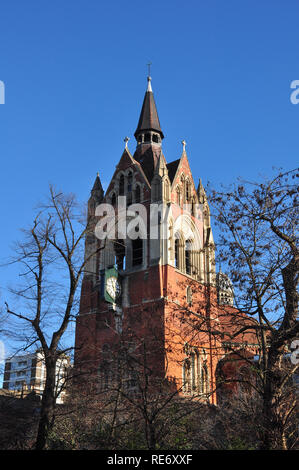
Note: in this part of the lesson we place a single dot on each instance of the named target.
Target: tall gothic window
(122, 185)
(129, 182)
(120, 254)
(204, 379)
(195, 374)
(177, 253)
(187, 376)
(178, 196)
(137, 194)
(137, 252)
(188, 254)
(188, 190)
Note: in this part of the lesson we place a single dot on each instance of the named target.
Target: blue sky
(75, 76)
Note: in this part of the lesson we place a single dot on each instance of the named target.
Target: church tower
(150, 276)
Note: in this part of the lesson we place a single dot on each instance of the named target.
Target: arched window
(156, 191)
(113, 199)
(178, 196)
(193, 372)
(137, 193)
(129, 182)
(188, 253)
(204, 378)
(137, 252)
(122, 185)
(177, 253)
(120, 254)
(183, 189)
(187, 376)
(188, 190)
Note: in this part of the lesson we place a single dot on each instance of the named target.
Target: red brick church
(153, 309)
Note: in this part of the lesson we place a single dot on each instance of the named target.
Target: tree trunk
(273, 422)
(152, 437)
(47, 408)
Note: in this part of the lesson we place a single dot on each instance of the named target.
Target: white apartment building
(28, 373)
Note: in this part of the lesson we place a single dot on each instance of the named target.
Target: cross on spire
(184, 145)
(149, 68)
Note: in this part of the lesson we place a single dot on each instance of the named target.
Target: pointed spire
(97, 184)
(148, 120)
(161, 168)
(97, 191)
(202, 197)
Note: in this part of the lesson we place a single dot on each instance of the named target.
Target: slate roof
(172, 169)
(149, 120)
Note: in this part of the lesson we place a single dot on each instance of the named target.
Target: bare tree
(51, 263)
(258, 243)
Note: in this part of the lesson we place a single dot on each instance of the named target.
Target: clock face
(113, 287)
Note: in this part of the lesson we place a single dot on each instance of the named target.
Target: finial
(98, 174)
(126, 140)
(149, 78)
(184, 145)
(149, 85)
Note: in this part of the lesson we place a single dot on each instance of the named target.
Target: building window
(137, 194)
(156, 191)
(193, 373)
(188, 190)
(120, 254)
(183, 187)
(178, 196)
(129, 182)
(122, 185)
(187, 376)
(22, 363)
(177, 253)
(113, 199)
(129, 199)
(137, 252)
(188, 254)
